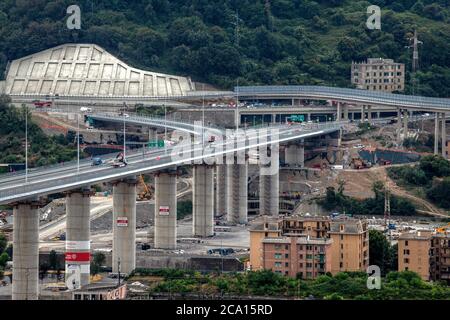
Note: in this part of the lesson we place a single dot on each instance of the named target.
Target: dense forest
(250, 41)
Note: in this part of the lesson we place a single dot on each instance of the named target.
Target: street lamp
(26, 144)
(78, 142)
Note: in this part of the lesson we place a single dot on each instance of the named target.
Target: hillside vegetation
(278, 41)
(43, 150)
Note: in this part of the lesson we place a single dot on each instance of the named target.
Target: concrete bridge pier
(369, 114)
(78, 246)
(124, 225)
(346, 112)
(221, 189)
(237, 192)
(399, 124)
(443, 136)
(338, 111)
(295, 155)
(25, 285)
(405, 123)
(165, 235)
(269, 194)
(436, 133)
(203, 201)
(152, 134)
(363, 113)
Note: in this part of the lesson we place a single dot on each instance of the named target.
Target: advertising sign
(164, 210)
(117, 294)
(122, 221)
(78, 256)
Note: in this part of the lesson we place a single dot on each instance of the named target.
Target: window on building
(309, 274)
(277, 264)
(278, 246)
(286, 247)
(77, 297)
(341, 265)
(286, 256)
(406, 260)
(406, 243)
(309, 256)
(278, 255)
(286, 264)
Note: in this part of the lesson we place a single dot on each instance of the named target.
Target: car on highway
(97, 161)
(42, 104)
(86, 109)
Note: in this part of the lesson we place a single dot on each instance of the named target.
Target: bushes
(427, 175)
(344, 285)
(439, 193)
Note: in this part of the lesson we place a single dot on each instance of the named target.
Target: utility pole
(26, 145)
(387, 208)
(118, 272)
(415, 60)
(78, 142)
(124, 137)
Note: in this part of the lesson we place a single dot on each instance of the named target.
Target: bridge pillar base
(78, 236)
(237, 193)
(124, 226)
(165, 236)
(203, 201)
(269, 190)
(295, 155)
(25, 284)
(221, 189)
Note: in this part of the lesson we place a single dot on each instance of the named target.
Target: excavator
(443, 229)
(147, 193)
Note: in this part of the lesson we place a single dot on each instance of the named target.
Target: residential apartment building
(350, 250)
(426, 253)
(305, 245)
(440, 257)
(378, 74)
(414, 253)
(291, 256)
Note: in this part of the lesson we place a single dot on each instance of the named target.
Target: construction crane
(147, 193)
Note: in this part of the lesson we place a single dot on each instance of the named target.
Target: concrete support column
(237, 195)
(363, 113)
(443, 136)
(436, 133)
(369, 114)
(78, 245)
(269, 190)
(308, 117)
(399, 124)
(221, 189)
(26, 252)
(152, 134)
(124, 226)
(203, 201)
(346, 112)
(165, 210)
(405, 123)
(339, 111)
(295, 155)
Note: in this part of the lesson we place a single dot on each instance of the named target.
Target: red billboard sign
(78, 256)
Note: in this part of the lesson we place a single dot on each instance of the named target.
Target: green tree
(97, 262)
(3, 242)
(53, 260)
(381, 253)
(4, 257)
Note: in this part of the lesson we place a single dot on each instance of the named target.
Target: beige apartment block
(350, 249)
(377, 74)
(414, 253)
